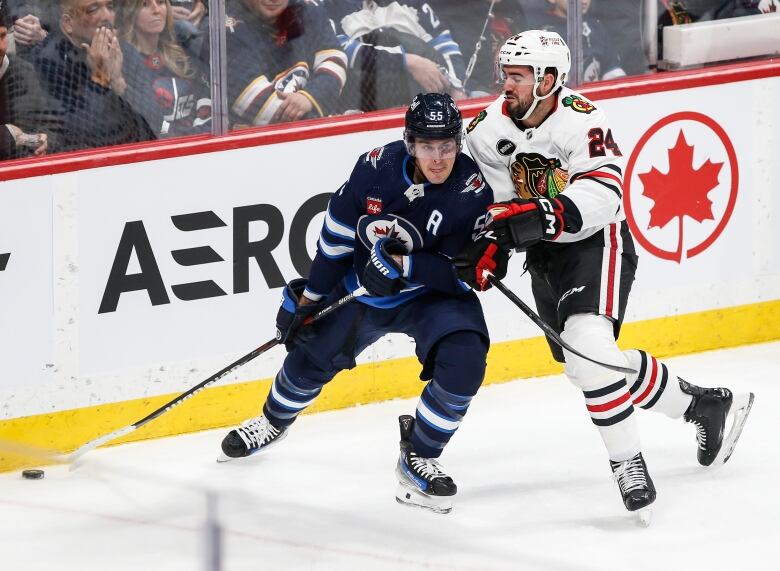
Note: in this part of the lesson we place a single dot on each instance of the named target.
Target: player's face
(268, 9)
(518, 88)
(435, 158)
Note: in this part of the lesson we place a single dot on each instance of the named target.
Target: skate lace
(701, 434)
(426, 467)
(630, 475)
(258, 431)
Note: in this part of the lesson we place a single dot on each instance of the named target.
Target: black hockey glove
(291, 316)
(521, 223)
(383, 276)
(484, 254)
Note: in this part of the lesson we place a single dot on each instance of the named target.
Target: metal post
(218, 71)
(650, 31)
(574, 39)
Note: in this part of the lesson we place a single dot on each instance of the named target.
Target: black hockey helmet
(433, 116)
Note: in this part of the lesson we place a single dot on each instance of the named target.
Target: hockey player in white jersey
(552, 159)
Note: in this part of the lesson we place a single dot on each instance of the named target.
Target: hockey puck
(32, 474)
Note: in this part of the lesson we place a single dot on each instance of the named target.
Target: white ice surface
(534, 493)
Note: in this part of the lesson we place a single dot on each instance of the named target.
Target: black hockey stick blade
(92, 444)
(549, 331)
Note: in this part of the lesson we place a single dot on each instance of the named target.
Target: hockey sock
(654, 387)
(287, 398)
(611, 411)
(438, 415)
(458, 372)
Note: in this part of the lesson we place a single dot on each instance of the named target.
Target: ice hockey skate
(422, 482)
(249, 438)
(636, 486)
(709, 412)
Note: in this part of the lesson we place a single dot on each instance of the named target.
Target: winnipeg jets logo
(374, 156)
(372, 228)
(474, 184)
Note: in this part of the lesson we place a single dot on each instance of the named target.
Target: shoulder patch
(475, 183)
(578, 104)
(476, 120)
(505, 147)
(374, 156)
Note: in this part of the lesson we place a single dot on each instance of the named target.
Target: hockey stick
(83, 449)
(549, 331)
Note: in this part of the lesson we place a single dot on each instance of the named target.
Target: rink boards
(126, 284)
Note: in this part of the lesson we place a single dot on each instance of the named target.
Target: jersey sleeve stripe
(599, 174)
(444, 44)
(611, 187)
(334, 251)
(257, 89)
(314, 102)
(268, 110)
(335, 70)
(338, 228)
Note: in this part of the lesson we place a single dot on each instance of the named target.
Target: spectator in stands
(480, 28)
(23, 119)
(32, 20)
(190, 25)
(162, 84)
(283, 62)
(80, 68)
(395, 49)
(600, 59)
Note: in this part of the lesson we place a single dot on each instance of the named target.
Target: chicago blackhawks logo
(578, 104)
(681, 186)
(535, 176)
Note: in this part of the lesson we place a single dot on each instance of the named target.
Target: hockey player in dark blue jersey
(394, 227)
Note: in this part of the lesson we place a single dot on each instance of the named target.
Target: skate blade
(740, 409)
(409, 496)
(644, 516)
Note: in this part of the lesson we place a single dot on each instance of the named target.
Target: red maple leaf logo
(388, 232)
(683, 190)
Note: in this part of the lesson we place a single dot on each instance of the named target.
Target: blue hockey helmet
(433, 116)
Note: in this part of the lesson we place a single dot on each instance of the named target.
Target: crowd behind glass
(79, 74)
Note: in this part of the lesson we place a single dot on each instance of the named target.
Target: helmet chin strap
(537, 99)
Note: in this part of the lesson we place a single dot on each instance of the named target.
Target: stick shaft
(549, 331)
(209, 381)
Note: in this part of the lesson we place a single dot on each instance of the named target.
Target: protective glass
(444, 149)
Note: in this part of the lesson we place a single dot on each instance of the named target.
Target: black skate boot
(708, 412)
(635, 484)
(250, 437)
(421, 481)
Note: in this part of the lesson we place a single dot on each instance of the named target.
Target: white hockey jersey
(571, 152)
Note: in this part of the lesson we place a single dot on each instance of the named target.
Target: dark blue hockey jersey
(380, 199)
